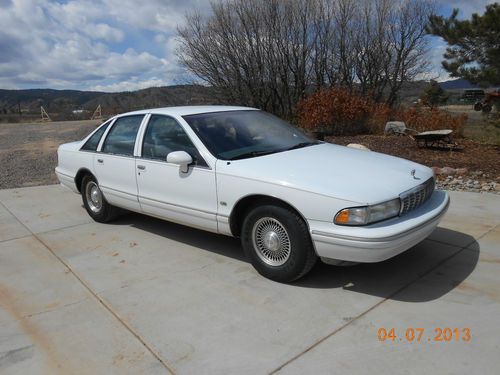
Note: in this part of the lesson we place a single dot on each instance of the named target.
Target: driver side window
(164, 135)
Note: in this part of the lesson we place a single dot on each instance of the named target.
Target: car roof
(189, 110)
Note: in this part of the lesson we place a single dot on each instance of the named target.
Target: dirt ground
(475, 156)
(28, 152)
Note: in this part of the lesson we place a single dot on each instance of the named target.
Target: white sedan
(242, 172)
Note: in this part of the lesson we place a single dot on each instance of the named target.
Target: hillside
(24, 105)
(71, 104)
(28, 102)
(458, 84)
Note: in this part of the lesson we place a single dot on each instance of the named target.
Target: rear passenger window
(121, 137)
(93, 141)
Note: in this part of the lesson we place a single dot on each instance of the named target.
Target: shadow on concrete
(385, 279)
(388, 279)
(215, 243)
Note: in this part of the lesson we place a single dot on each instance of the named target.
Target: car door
(164, 190)
(115, 163)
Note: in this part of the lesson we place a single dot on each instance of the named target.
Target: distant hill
(34, 98)
(73, 104)
(76, 105)
(458, 84)
(411, 92)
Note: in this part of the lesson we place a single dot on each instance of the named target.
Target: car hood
(360, 176)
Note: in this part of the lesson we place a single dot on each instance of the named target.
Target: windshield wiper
(253, 154)
(300, 145)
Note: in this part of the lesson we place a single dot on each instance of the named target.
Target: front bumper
(380, 241)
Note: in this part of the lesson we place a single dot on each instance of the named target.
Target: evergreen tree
(434, 95)
(473, 49)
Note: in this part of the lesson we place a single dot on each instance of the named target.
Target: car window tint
(93, 141)
(165, 135)
(228, 134)
(121, 137)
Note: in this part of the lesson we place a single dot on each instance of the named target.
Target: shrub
(334, 111)
(339, 111)
(380, 114)
(422, 119)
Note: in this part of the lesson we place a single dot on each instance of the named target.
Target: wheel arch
(243, 205)
(82, 172)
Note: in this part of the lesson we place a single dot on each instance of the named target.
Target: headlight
(368, 214)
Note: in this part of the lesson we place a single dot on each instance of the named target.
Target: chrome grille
(415, 197)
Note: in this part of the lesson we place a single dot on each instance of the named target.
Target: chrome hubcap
(271, 241)
(94, 197)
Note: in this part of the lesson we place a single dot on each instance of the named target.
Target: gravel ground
(475, 181)
(28, 152)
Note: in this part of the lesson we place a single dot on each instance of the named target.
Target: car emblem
(413, 171)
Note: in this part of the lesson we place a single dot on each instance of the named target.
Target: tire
(277, 242)
(95, 203)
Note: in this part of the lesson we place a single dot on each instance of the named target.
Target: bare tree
(260, 52)
(407, 35)
(268, 53)
(371, 46)
(391, 46)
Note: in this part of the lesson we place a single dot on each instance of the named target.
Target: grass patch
(486, 131)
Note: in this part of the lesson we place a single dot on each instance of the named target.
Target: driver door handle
(100, 161)
(141, 167)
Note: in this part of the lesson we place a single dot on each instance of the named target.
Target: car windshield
(232, 135)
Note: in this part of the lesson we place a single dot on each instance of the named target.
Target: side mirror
(182, 158)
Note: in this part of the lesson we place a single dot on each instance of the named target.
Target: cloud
(465, 7)
(131, 85)
(83, 17)
(435, 56)
(155, 15)
(82, 44)
(110, 44)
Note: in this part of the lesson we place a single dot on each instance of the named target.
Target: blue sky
(115, 45)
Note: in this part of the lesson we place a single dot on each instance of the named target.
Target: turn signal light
(342, 217)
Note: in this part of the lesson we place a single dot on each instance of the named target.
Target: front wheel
(95, 203)
(277, 242)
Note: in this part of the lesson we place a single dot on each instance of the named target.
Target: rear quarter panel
(70, 161)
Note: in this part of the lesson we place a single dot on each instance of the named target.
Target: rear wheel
(95, 203)
(277, 242)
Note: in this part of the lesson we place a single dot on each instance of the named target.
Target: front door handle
(141, 167)
(100, 161)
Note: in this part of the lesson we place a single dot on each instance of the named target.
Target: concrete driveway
(143, 296)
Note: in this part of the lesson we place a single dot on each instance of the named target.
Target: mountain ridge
(74, 104)
(19, 105)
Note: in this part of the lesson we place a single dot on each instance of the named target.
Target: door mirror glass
(182, 158)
